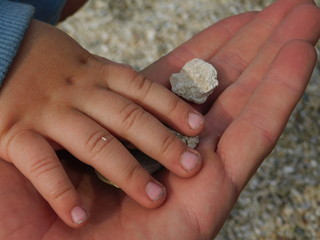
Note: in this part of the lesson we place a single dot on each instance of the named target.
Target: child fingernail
(189, 160)
(195, 120)
(79, 215)
(155, 191)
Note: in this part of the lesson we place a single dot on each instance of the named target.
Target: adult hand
(263, 72)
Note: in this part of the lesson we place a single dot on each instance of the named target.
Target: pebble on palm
(195, 82)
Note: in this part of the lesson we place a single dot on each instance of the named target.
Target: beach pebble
(195, 82)
(192, 142)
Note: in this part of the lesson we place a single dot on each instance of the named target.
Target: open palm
(264, 62)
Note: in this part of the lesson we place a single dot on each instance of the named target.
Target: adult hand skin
(264, 61)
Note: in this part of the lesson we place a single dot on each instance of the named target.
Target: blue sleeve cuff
(14, 21)
(46, 10)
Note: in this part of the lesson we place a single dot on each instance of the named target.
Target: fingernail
(195, 120)
(79, 215)
(189, 160)
(155, 191)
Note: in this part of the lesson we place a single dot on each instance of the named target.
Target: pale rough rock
(195, 82)
(192, 142)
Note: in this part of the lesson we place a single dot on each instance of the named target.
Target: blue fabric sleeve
(15, 16)
(14, 20)
(46, 10)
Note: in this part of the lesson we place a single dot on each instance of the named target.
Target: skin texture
(260, 85)
(86, 107)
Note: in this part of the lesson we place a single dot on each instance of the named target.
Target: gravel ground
(282, 201)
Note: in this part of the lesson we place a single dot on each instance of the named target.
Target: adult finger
(95, 146)
(35, 158)
(219, 35)
(233, 99)
(203, 45)
(262, 120)
(235, 56)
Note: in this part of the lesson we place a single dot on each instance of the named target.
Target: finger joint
(43, 166)
(167, 143)
(98, 142)
(131, 114)
(133, 173)
(141, 87)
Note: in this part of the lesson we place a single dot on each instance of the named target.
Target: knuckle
(57, 189)
(233, 61)
(277, 79)
(168, 144)
(60, 192)
(12, 139)
(141, 87)
(43, 166)
(98, 142)
(265, 23)
(133, 172)
(174, 105)
(131, 115)
(257, 120)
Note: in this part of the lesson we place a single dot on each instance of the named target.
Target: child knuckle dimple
(70, 81)
(85, 58)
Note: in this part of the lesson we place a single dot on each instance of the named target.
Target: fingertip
(195, 120)
(79, 216)
(40, 164)
(71, 211)
(191, 162)
(155, 190)
(150, 195)
(156, 194)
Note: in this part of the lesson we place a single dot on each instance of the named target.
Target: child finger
(153, 97)
(95, 146)
(35, 158)
(129, 121)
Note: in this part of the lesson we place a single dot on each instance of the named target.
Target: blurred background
(282, 200)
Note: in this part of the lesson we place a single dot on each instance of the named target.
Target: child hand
(57, 92)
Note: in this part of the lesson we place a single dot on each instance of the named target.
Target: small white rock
(195, 82)
(192, 142)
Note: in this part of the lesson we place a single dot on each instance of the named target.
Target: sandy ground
(282, 201)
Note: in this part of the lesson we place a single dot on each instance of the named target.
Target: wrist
(14, 19)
